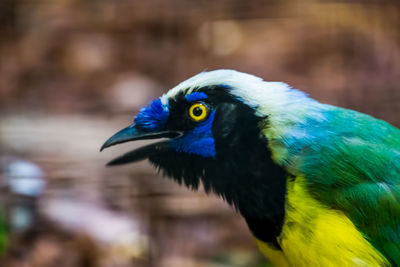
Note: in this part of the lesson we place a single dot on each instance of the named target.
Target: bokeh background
(74, 72)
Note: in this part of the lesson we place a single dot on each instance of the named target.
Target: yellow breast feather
(315, 235)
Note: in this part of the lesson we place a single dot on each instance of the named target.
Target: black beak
(132, 133)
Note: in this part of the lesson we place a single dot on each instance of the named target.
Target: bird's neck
(242, 171)
(251, 182)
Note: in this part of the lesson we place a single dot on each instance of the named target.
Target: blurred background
(74, 72)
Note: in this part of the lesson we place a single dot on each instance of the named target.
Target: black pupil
(197, 111)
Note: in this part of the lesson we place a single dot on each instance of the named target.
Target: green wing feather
(351, 162)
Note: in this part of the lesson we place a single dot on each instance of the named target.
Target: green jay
(317, 185)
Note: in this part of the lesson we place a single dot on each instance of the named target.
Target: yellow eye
(198, 112)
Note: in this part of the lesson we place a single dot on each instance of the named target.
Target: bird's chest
(314, 235)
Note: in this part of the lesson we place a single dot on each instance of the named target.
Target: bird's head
(216, 128)
(214, 125)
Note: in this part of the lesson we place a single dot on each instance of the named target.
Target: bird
(317, 184)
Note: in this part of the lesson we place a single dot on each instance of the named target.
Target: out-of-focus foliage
(73, 72)
(3, 233)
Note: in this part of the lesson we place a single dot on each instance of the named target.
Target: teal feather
(351, 162)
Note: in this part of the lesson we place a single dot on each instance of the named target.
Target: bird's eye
(198, 112)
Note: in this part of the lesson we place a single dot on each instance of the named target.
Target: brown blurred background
(73, 72)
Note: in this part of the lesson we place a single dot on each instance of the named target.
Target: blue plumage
(198, 141)
(196, 96)
(152, 117)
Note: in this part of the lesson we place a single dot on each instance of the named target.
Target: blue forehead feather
(195, 96)
(152, 117)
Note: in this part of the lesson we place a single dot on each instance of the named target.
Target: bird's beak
(132, 133)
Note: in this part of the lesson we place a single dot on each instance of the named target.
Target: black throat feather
(242, 172)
